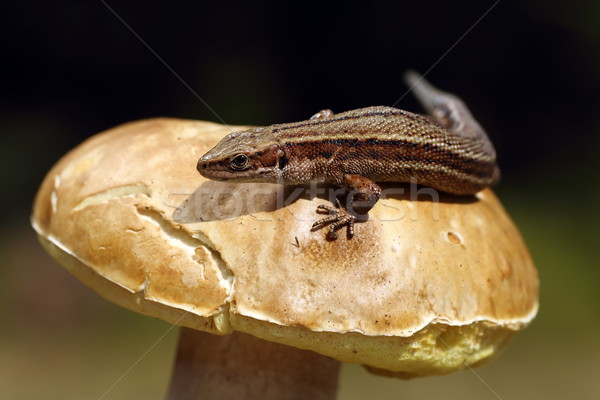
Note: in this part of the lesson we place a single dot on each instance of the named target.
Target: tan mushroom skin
(428, 287)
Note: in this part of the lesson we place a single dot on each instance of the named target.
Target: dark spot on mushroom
(453, 238)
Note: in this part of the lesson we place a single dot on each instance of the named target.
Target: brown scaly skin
(357, 148)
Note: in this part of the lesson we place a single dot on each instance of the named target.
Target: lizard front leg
(362, 196)
(323, 114)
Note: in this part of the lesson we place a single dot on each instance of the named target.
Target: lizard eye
(239, 162)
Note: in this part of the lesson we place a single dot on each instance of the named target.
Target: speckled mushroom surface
(425, 286)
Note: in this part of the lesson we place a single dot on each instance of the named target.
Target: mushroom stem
(240, 366)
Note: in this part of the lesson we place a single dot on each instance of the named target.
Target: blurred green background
(528, 70)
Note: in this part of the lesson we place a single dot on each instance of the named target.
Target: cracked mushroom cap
(424, 287)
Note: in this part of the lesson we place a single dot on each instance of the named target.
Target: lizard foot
(338, 216)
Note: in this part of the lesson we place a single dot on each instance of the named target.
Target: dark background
(528, 70)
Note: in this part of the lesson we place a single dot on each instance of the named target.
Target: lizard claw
(338, 217)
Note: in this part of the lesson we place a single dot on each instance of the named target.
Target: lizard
(447, 150)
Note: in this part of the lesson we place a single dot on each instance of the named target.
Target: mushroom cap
(425, 287)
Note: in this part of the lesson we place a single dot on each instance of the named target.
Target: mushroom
(268, 307)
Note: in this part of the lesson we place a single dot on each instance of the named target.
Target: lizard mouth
(223, 173)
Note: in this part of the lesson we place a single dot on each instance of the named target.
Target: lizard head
(248, 156)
